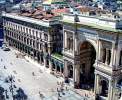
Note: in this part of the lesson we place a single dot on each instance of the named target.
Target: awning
(57, 63)
(61, 65)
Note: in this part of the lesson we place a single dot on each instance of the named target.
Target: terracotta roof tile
(65, 10)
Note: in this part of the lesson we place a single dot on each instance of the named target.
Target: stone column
(65, 68)
(96, 84)
(65, 40)
(60, 70)
(117, 59)
(73, 43)
(113, 53)
(110, 90)
(76, 74)
(44, 51)
(76, 43)
(107, 56)
(50, 63)
(55, 68)
(99, 51)
(38, 46)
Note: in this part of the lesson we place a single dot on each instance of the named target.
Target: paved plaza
(34, 79)
(68, 95)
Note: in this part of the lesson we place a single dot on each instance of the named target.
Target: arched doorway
(87, 59)
(104, 88)
(70, 71)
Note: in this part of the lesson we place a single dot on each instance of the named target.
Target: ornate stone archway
(87, 57)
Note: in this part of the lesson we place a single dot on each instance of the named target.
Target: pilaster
(113, 53)
(110, 89)
(107, 56)
(65, 68)
(96, 84)
(49, 52)
(44, 50)
(76, 74)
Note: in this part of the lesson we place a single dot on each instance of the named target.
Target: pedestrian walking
(33, 73)
(59, 94)
(59, 98)
(40, 94)
(4, 67)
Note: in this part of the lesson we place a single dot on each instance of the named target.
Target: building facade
(40, 40)
(92, 51)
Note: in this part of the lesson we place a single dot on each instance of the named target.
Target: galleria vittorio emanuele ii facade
(85, 48)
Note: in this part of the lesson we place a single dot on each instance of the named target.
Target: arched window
(27, 41)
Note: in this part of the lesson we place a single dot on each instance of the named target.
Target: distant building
(107, 4)
(119, 4)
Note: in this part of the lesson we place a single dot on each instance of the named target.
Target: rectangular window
(32, 33)
(23, 29)
(18, 27)
(27, 30)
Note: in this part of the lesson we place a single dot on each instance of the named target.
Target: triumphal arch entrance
(92, 57)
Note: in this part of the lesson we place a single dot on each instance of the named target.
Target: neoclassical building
(37, 35)
(92, 49)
